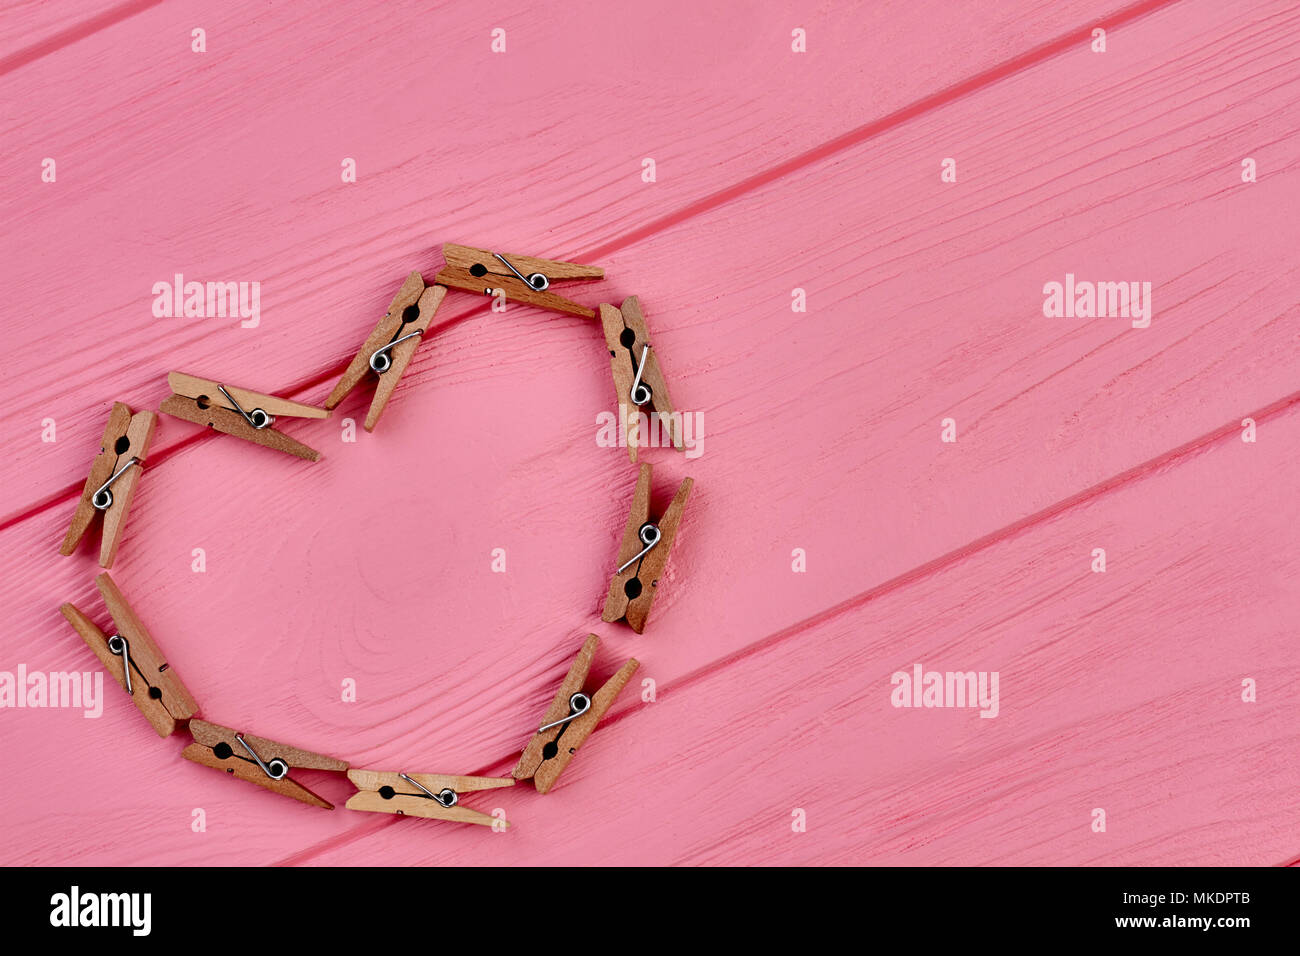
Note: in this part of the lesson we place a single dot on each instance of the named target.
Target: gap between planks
(1137, 473)
(721, 197)
(71, 35)
(861, 134)
(715, 200)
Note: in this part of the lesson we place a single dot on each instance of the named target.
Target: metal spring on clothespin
(641, 393)
(579, 704)
(649, 535)
(120, 646)
(277, 769)
(381, 361)
(103, 498)
(257, 418)
(534, 280)
(446, 796)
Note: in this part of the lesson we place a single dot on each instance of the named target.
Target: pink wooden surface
(776, 170)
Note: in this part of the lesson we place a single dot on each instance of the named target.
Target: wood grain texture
(235, 398)
(32, 29)
(199, 411)
(484, 272)
(114, 474)
(159, 717)
(403, 350)
(408, 296)
(634, 365)
(266, 175)
(642, 560)
(156, 689)
(385, 792)
(558, 737)
(1121, 690)
(1098, 708)
(222, 748)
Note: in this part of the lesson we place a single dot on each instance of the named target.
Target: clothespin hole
(550, 750)
(387, 792)
(626, 338)
(222, 751)
(155, 693)
(477, 270)
(632, 588)
(203, 402)
(410, 314)
(122, 445)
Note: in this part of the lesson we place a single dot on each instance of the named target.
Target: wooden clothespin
(570, 719)
(432, 795)
(237, 411)
(643, 555)
(638, 382)
(521, 278)
(135, 661)
(258, 760)
(112, 480)
(389, 348)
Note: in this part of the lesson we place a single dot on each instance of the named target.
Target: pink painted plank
(143, 192)
(562, 497)
(1119, 691)
(32, 29)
